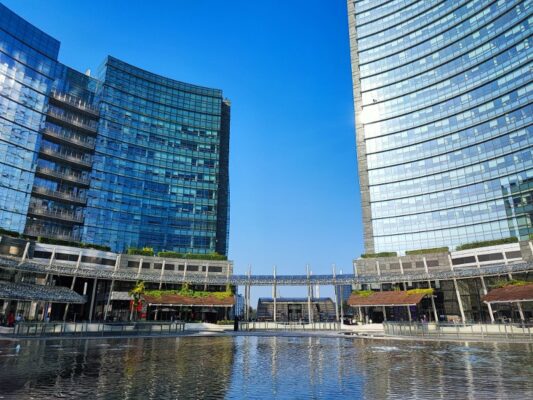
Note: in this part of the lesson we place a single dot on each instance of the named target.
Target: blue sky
(285, 66)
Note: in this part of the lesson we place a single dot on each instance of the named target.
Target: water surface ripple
(259, 367)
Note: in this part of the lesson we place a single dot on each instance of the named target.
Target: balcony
(74, 102)
(51, 232)
(63, 136)
(77, 123)
(59, 195)
(62, 176)
(59, 215)
(69, 158)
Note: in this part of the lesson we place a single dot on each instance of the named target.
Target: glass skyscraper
(443, 102)
(125, 159)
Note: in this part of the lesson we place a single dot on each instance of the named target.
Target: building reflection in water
(128, 368)
(263, 367)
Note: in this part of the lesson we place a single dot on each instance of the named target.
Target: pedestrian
(11, 319)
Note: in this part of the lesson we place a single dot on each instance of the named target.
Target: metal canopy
(31, 292)
(510, 294)
(386, 299)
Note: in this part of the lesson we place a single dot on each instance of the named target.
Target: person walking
(11, 320)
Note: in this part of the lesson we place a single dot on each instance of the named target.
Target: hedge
(427, 251)
(428, 291)
(60, 242)
(362, 293)
(9, 233)
(146, 251)
(382, 254)
(486, 243)
(189, 256)
(186, 292)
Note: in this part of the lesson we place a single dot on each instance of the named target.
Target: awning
(177, 300)
(31, 292)
(510, 294)
(386, 299)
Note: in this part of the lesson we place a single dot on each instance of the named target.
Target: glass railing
(77, 122)
(56, 214)
(63, 175)
(60, 194)
(51, 232)
(87, 160)
(87, 142)
(74, 102)
(99, 328)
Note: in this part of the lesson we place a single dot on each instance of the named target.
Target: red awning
(391, 298)
(177, 300)
(510, 294)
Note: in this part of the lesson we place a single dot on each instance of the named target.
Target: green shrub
(145, 251)
(382, 254)
(225, 322)
(189, 256)
(427, 251)
(512, 282)
(186, 292)
(362, 293)
(427, 291)
(486, 243)
(60, 242)
(531, 236)
(9, 233)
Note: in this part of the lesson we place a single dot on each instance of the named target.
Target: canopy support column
(336, 292)
(93, 299)
(521, 311)
(433, 306)
(461, 309)
(489, 306)
(309, 297)
(72, 285)
(274, 296)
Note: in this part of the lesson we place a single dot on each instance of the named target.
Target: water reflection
(264, 368)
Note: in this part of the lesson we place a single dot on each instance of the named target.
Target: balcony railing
(74, 102)
(63, 135)
(60, 195)
(63, 176)
(78, 161)
(76, 122)
(51, 232)
(55, 214)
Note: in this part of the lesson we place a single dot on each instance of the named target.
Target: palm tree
(136, 294)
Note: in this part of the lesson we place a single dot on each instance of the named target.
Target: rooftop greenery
(149, 251)
(512, 282)
(60, 242)
(382, 254)
(145, 251)
(362, 293)
(428, 291)
(475, 245)
(186, 292)
(189, 256)
(9, 233)
(427, 251)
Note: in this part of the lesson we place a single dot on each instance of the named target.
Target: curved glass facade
(128, 159)
(157, 167)
(443, 98)
(27, 71)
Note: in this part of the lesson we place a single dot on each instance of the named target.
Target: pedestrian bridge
(86, 271)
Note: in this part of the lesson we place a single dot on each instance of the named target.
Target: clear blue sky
(285, 66)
